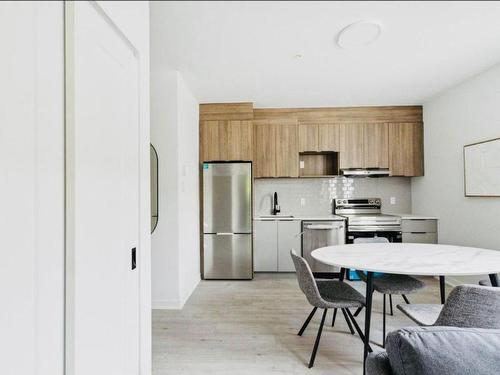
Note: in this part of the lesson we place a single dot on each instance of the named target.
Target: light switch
(393, 200)
(301, 164)
(302, 201)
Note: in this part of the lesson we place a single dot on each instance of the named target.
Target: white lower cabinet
(288, 238)
(273, 240)
(265, 243)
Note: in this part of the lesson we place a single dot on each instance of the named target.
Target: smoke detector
(359, 34)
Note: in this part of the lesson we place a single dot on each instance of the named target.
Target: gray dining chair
(325, 294)
(467, 306)
(389, 284)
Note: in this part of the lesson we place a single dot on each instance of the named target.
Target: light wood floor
(250, 327)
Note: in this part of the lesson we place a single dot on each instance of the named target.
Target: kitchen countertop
(416, 217)
(301, 217)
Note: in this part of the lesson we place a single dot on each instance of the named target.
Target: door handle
(134, 258)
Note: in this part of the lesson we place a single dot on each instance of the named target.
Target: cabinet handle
(418, 232)
(134, 258)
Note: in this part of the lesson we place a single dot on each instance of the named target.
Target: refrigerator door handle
(224, 234)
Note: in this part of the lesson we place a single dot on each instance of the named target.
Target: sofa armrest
(377, 363)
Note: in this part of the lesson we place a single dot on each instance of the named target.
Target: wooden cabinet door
(376, 143)
(264, 140)
(240, 144)
(406, 149)
(308, 137)
(329, 137)
(214, 140)
(287, 149)
(351, 146)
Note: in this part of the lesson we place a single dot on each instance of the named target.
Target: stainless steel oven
(365, 219)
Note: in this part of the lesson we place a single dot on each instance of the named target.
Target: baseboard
(175, 304)
(190, 290)
(172, 304)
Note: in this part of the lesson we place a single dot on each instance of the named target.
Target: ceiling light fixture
(359, 34)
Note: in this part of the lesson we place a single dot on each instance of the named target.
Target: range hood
(366, 172)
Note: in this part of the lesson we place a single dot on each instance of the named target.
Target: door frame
(143, 266)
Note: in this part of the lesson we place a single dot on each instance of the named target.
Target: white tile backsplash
(317, 194)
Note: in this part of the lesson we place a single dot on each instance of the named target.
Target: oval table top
(411, 258)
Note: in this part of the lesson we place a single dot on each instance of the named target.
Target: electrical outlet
(302, 201)
(393, 200)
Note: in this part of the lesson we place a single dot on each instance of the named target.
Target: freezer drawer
(227, 256)
(227, 197)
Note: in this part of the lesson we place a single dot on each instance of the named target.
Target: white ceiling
(245, 51)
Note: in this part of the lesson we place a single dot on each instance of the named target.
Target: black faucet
(276, 206)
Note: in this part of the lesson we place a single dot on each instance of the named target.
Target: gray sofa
(438, 351)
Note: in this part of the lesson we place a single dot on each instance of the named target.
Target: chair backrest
(371, 240)
(306, 280)
(471, 306)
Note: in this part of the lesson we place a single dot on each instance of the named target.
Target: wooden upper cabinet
(329, 137)
(226, 140)
(287, 149)
(214, 140)
(376, 145)
(351, 146)
(264, 140)
(406, 149)
(240, 144)
(308, 137)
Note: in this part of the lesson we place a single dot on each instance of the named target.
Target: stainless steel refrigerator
(227, 220)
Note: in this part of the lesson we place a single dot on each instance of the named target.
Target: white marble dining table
(409, 259)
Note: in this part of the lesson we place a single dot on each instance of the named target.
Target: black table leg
(494, 279)
(442, 289)
(368, 314)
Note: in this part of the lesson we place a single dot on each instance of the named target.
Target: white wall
(464, 114)
(175, 242)
(32, 188)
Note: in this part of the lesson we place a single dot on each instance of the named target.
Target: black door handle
(134, 258)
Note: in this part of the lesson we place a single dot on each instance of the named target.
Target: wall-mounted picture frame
(482, 169)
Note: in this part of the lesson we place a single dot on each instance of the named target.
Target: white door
(102, 195)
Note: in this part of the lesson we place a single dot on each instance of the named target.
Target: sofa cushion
(378, 363)
(444, 351)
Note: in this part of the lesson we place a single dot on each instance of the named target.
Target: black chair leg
(383, 323)
(306, 323)
(348, 321)
(360, 333)
(406, 299)
(390, 303)
(356, 313)
(334, 316)
(318, 337)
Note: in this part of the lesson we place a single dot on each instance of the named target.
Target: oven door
(392, 236)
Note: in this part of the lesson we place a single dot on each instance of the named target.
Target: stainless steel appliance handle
(367, 228)
(322, 227)
(224, 234)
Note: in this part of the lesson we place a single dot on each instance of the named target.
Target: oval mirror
(154, 187)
